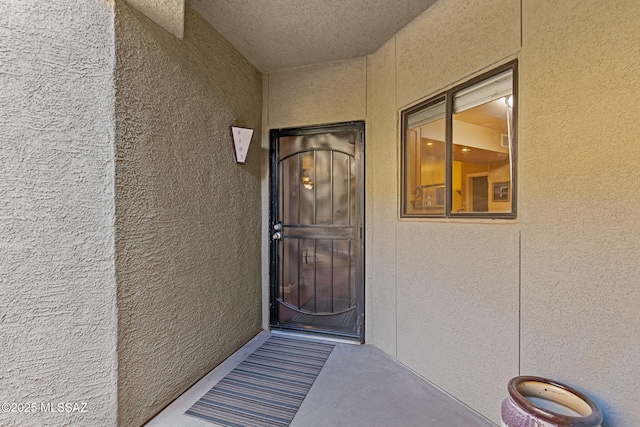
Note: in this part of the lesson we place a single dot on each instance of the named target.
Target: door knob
(277, 235)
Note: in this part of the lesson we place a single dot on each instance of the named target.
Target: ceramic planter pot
(540, 402)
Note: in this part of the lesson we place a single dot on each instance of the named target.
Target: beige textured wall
(187, 216)
(412, 262)
(452, 40)
(57, 276)
(471, 303)
(445, 293)
(327, 93)
(456, 302)
(580, 205)
(381, 199)
(169, 14)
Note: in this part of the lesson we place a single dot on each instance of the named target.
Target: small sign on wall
(241, 141)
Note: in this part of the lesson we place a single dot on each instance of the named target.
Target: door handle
(278, 234)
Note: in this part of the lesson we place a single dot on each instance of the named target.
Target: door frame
(470, 188)
(274, 135)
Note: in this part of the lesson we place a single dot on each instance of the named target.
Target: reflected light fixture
(307, 169)
(465, 149)
(307, 183)
(508, 101)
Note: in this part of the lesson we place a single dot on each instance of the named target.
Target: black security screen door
(317, 229)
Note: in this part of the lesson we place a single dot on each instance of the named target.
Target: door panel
(480, 188)
(317, 227)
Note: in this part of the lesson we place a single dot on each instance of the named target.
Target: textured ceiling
(277, 34)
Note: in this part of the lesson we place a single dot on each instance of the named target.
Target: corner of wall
(381, 152)
(169, 14)
(57, 270)
(265, 188)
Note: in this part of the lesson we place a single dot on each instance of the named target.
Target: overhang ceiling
(278, 34)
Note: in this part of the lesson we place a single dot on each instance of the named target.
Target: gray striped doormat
(267, 388)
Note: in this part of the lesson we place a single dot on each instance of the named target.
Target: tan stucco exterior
(187, 216)
(132, 241)
(331, 92)
(469, 304)
(579, 206)
(168, 14)
(130, 262)
(57, 274)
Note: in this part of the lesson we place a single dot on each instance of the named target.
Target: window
(459, 150)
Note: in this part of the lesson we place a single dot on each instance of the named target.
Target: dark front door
(317, 229)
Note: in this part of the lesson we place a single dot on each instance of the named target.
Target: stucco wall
(579, 204)
(188, 217)
(381, 199)
(169, 14)
(456, 287)
(327, 93)
(416, 285)
(469, 304)
(445, 291)
(57, 277)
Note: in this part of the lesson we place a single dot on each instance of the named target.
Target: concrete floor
(359, 386)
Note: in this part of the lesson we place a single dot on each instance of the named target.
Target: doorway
(317, 229)
(479, 184)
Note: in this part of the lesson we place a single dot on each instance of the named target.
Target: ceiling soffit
(280, 34)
